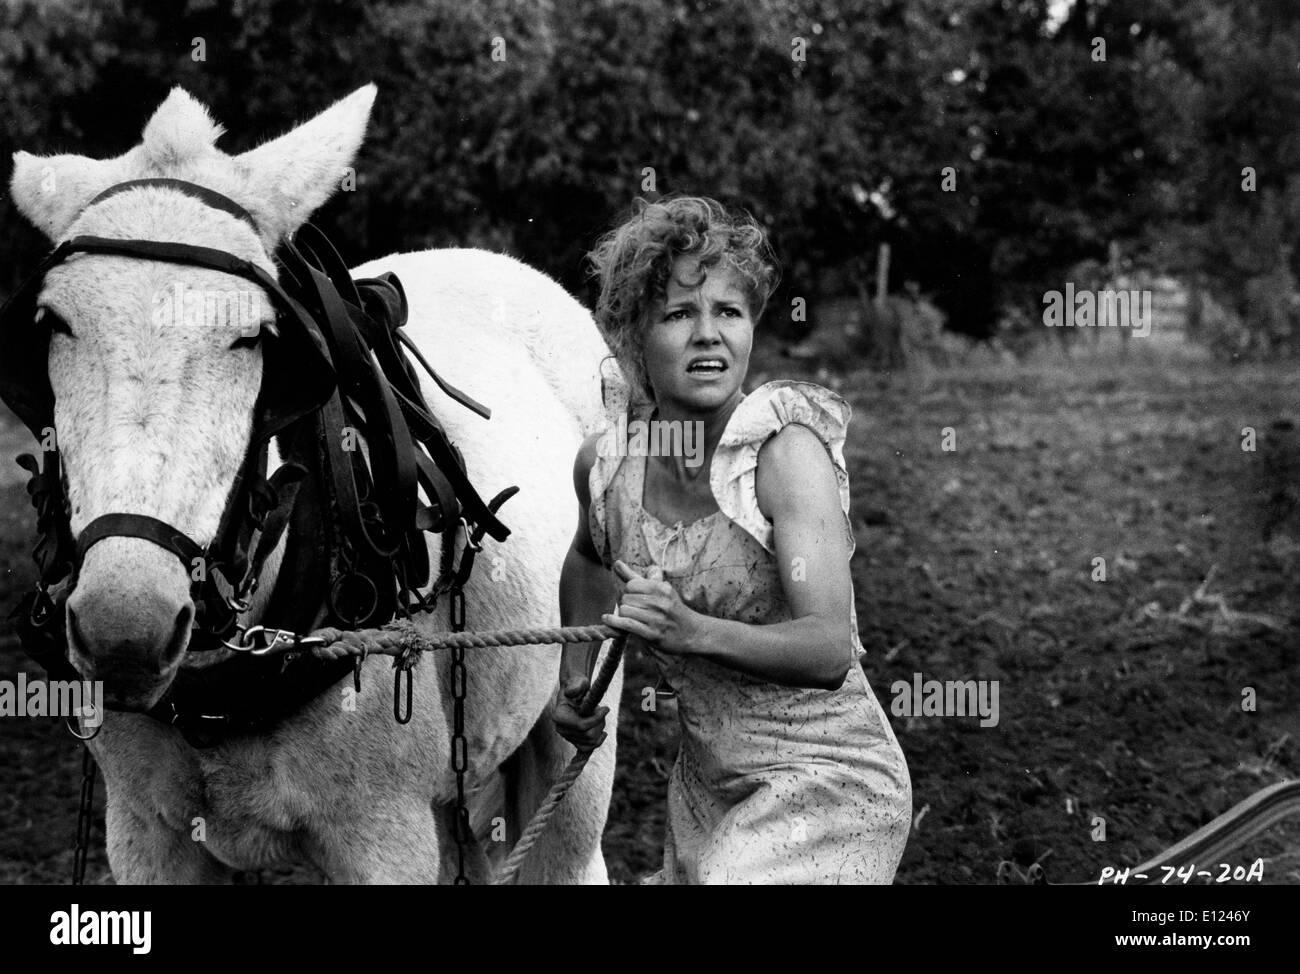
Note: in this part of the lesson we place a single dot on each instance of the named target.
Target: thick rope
(561, 787)
(402, 637)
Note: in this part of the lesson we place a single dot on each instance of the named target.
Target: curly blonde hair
(635, 260)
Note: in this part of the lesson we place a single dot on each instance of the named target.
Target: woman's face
(698, 342)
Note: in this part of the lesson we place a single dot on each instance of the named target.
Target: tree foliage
(530, 126)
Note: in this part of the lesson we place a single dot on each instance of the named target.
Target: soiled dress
(772, 784)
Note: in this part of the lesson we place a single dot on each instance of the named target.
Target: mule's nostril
(180, 634)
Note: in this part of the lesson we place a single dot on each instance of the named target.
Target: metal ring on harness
(366, 589)
(241, 643)
(72, 722)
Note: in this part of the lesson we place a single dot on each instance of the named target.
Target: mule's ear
(288, 178)
(180, 132)
(51, 190)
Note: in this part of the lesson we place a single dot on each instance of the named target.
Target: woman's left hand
(652, 610)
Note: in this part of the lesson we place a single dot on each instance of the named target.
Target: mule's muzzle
(132, 642)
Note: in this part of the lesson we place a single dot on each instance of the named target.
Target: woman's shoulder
(776, 404)
(599, 475)
(588, 453)
(760, 416)
(594, 469)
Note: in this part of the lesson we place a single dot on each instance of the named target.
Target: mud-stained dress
(772, 784)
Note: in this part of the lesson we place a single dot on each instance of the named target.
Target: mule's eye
(251, 341)
(52, 321)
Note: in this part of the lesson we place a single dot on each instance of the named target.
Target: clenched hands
(651, 610)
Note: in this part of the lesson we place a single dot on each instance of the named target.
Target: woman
(734, 561)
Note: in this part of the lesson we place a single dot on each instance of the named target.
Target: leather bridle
(218, 596)
(342, 341)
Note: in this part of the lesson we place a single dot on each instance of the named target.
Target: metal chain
(459, 743)
(85, 816)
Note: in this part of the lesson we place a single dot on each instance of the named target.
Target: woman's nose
(706, 329)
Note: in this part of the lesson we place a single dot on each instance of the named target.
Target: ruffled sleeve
(608, 460)
(615, 397)
(760, 415)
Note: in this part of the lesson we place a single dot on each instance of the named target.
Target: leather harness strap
(394, 471)
(201, 193)
(140, 526)
(284, 484)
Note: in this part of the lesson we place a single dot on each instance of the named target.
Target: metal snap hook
(259, 640)
(281, 640)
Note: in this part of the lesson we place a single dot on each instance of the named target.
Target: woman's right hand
(584, 733)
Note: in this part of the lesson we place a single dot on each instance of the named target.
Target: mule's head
(156, 367)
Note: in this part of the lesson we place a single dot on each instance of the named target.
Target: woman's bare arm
(586, 590)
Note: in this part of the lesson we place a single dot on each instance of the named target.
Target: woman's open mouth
(707, 367)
